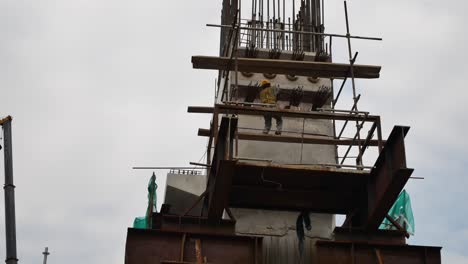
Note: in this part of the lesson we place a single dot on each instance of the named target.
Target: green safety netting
(402, 213)
(145, 221)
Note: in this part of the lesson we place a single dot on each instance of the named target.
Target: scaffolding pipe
(352, 142)
(346, 122)
(351, 64)
(9, 187)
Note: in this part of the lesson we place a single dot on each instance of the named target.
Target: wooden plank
(299, 68)
(257, 110)
(294, 139)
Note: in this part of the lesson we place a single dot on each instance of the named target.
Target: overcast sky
(96, 87)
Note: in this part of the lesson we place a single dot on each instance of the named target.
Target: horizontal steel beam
(294, 139)
(318, 201)
(255, 110)
(291, 67)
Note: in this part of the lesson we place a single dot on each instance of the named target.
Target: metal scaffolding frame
(258, 32)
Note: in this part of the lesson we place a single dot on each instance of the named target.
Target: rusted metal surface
(388, 177)
(344, 252)
(295, 187)
(219, 181)
(365, 197)
(397, 225)
(156, 246)
(278, 186)
(393, 237)
(299, 68)
(221, 189)
(192, 224)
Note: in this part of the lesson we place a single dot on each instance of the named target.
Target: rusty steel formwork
(190, 239)
(346, 252)
(146, 246)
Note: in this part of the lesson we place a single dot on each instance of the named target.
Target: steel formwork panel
(156, 246)
(345, 252)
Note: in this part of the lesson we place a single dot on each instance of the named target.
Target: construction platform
(364, 196)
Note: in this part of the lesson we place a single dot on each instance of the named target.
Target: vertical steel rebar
(323, 12)
(293, 38)
(274, 12)
(239, 20)
(268, 25)
(9, 187)
(252, 11)
(268, 11)
(279, 12)
(236, 64)
(262, 25)
(293, 12)
(284, 13)
(302, 138)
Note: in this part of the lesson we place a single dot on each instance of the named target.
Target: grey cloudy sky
(96, 87)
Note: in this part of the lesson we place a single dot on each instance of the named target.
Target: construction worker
(268, 96)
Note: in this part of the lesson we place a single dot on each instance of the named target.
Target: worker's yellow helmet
(265, 83)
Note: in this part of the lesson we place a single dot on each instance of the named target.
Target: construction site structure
(9, 188)
(272, 196)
